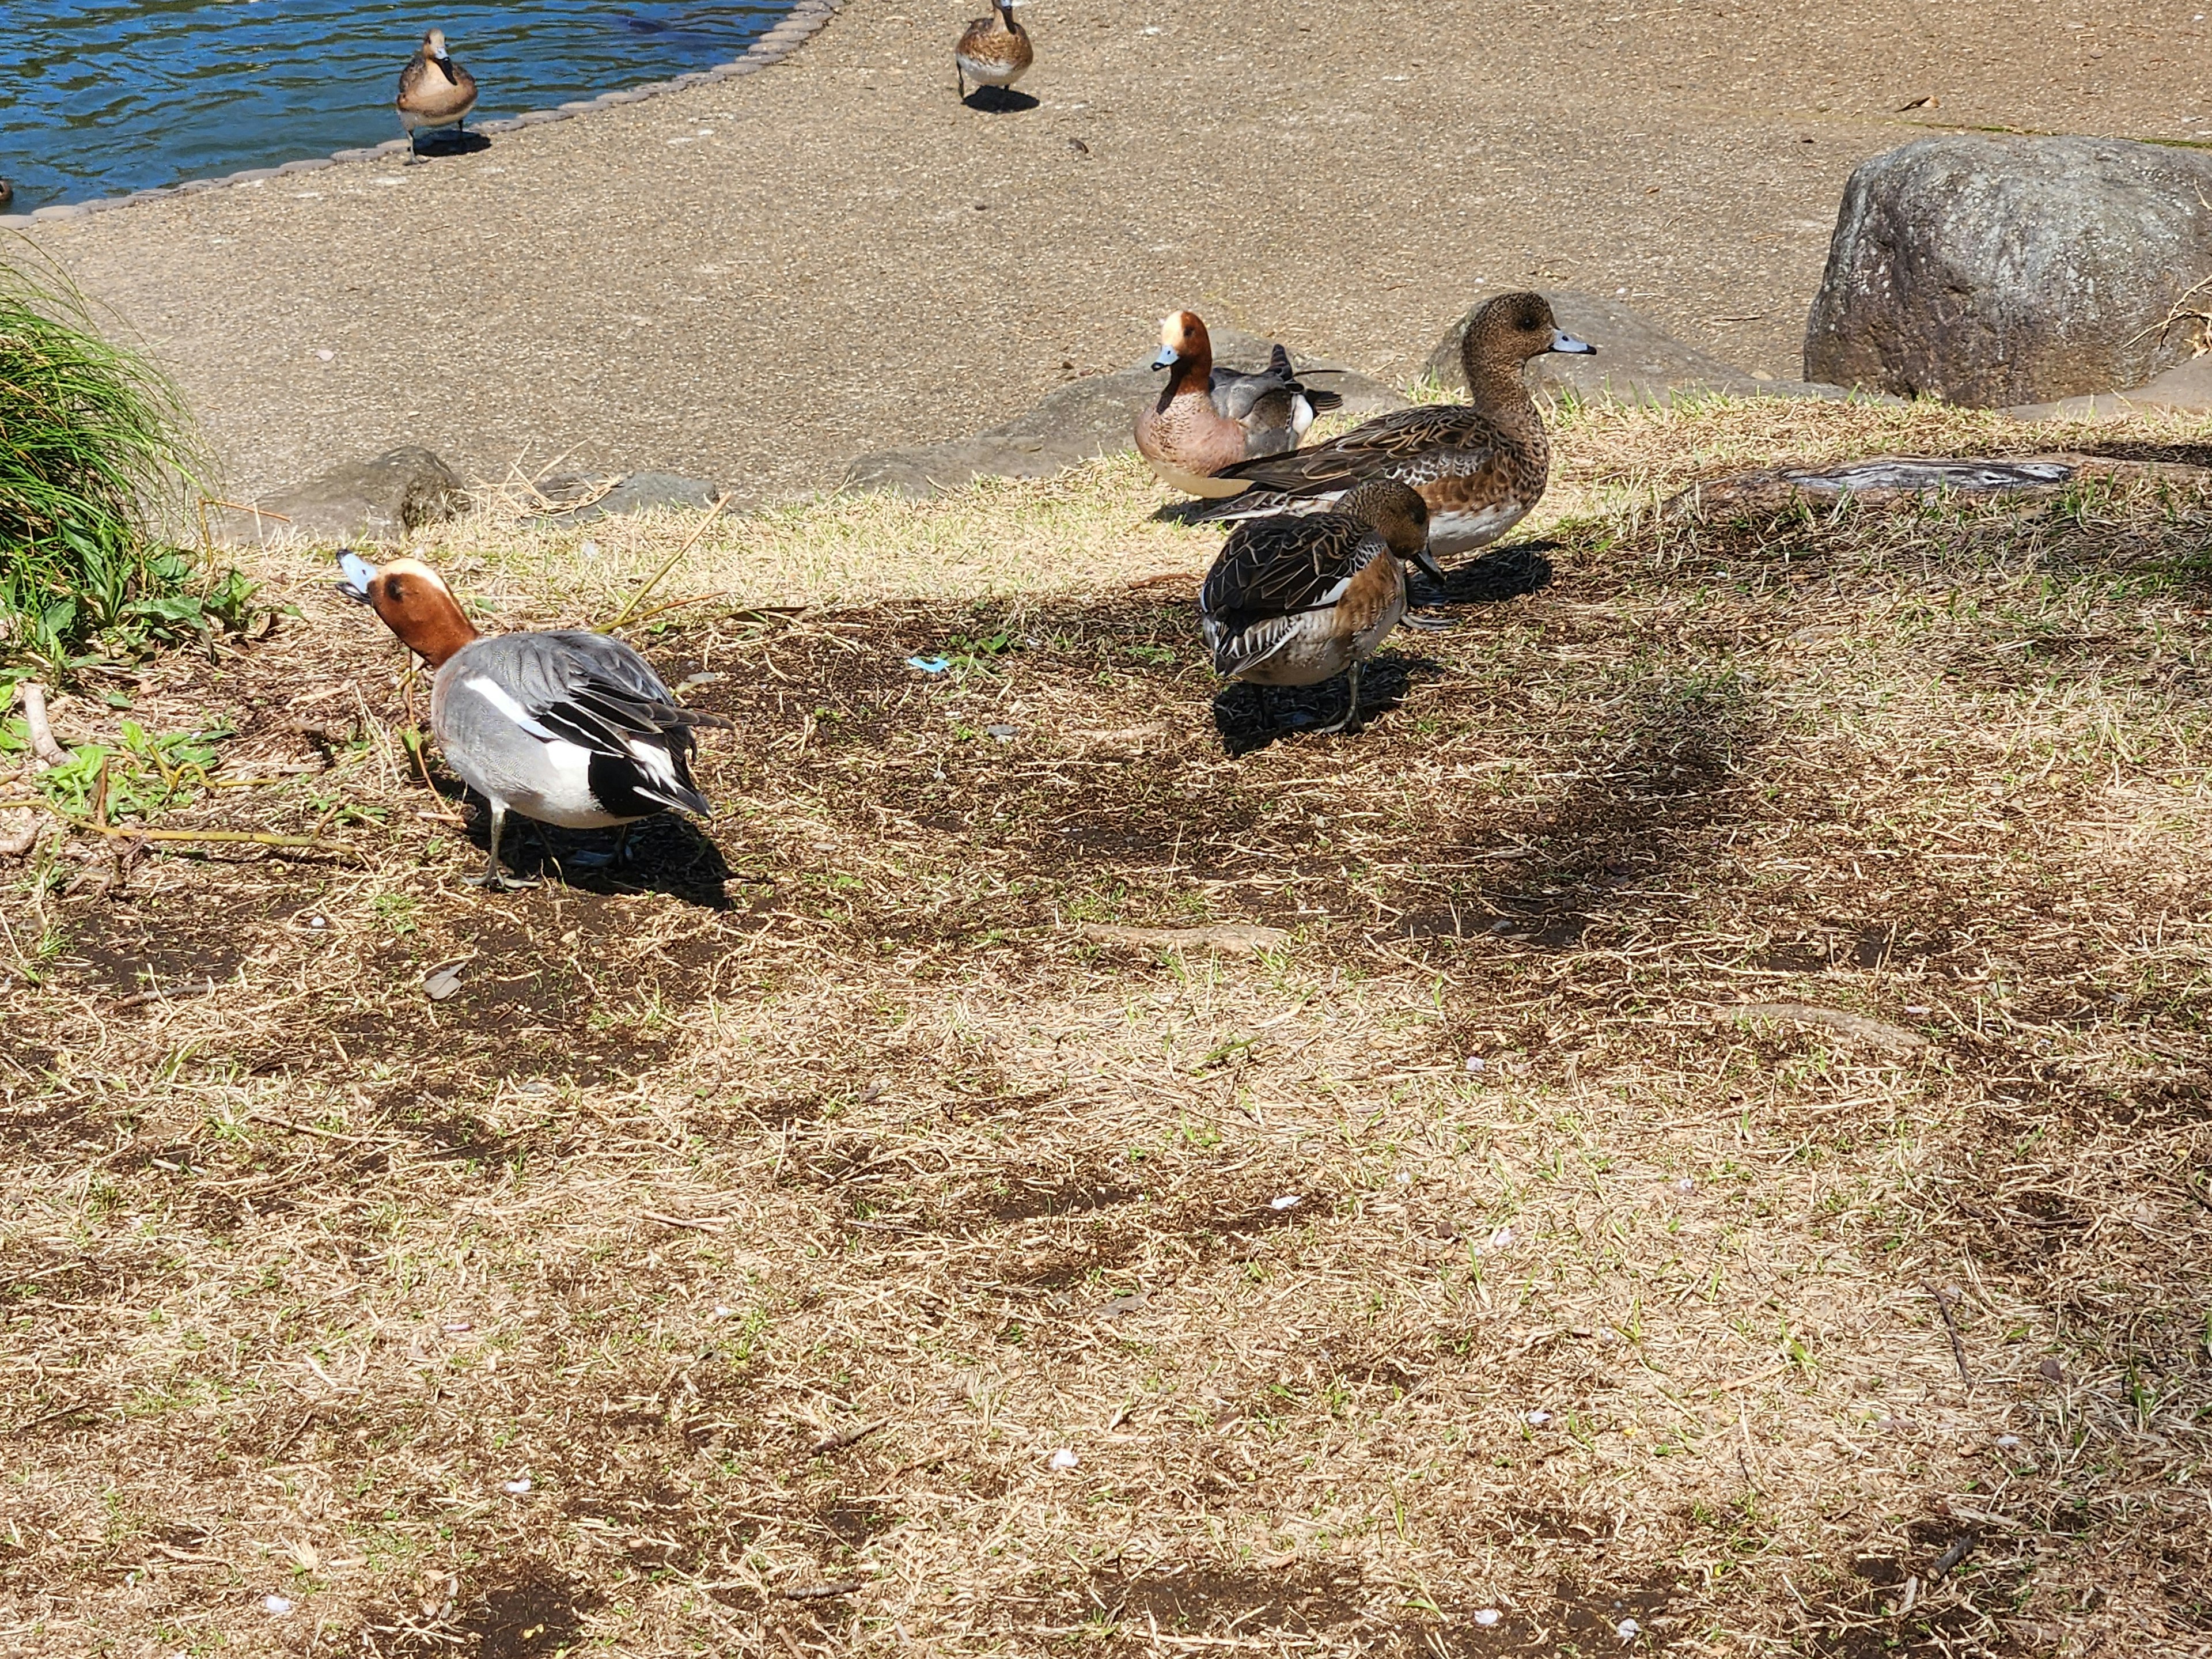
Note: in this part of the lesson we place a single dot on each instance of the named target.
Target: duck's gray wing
(597, 693)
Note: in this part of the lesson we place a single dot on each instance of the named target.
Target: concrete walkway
(754, 281)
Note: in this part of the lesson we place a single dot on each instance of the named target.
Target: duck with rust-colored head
(435, 91)
(1479, 466)
(567, 728)
(993, 50)
(1206, 418)
(1296, 599)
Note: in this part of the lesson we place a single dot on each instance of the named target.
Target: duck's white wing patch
(655, 761)
(503, 700)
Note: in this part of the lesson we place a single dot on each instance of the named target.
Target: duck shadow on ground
(666, 855)
(998, 101)
(1250, 717)
(450, 143)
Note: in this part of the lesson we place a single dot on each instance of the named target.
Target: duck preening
(1206, 419)
(1296, 601)
(993, 50)
(435, 91)
(567, 728)
(1480, 466)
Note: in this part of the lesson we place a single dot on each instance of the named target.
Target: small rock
(443, 981)
(1994, 270)
(638, 492)
(385, 498)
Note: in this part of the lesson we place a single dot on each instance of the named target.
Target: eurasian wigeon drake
(1208, 418)
(567, 728)
(1480, 466)
(434, 91)
(993, 50)
(1294, 600)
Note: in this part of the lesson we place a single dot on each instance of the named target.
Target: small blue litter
(930, 665)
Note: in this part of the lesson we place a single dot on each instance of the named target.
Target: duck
(434, 91)
(1481, 465)
(7, 195)
(1208, 418)
(993, 50)
(1297, 599)
(563, 728)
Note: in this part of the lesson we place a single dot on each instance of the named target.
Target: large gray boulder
(1082, 421)
(383, 499)
(1637, 361)
(2002, 270)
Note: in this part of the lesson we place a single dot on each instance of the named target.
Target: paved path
(754, 281)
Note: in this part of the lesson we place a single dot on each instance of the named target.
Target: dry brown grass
(777, 1210)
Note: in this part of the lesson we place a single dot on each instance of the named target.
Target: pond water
(107, 96)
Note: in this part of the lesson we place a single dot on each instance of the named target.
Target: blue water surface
(103, 96)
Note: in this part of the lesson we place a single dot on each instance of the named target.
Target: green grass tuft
(96, 452)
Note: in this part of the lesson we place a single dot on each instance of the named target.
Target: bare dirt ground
(756, 281)
(1714, 1161)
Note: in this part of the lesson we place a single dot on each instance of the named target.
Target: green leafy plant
(96, 455)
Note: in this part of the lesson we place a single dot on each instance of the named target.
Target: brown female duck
(993, 50)
(1296, 601)
(435, 91)
(1479, 466)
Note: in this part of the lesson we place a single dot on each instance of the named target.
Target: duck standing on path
(1480, 466)
(434, 91)
(993, 50)
(567, 728)
(1294, 600)
(1207, 419)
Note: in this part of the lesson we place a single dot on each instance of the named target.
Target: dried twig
(849, 1437)
(654, 581)
(1958, 1348)
(819, 1592)
(250, 837)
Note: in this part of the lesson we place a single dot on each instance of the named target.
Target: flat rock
(1637, 361)
(1082, 421)
(2000, 271)
(1881, 480)
(2185, 388)
(637, 492)
(382, 498)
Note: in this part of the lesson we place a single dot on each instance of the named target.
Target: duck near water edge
(435, 91)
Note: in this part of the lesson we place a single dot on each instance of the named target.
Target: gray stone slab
(1637, 361)
(1082, 421)
(2186, 389)
(638, 492)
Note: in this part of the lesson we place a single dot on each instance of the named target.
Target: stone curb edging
(799, 25)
